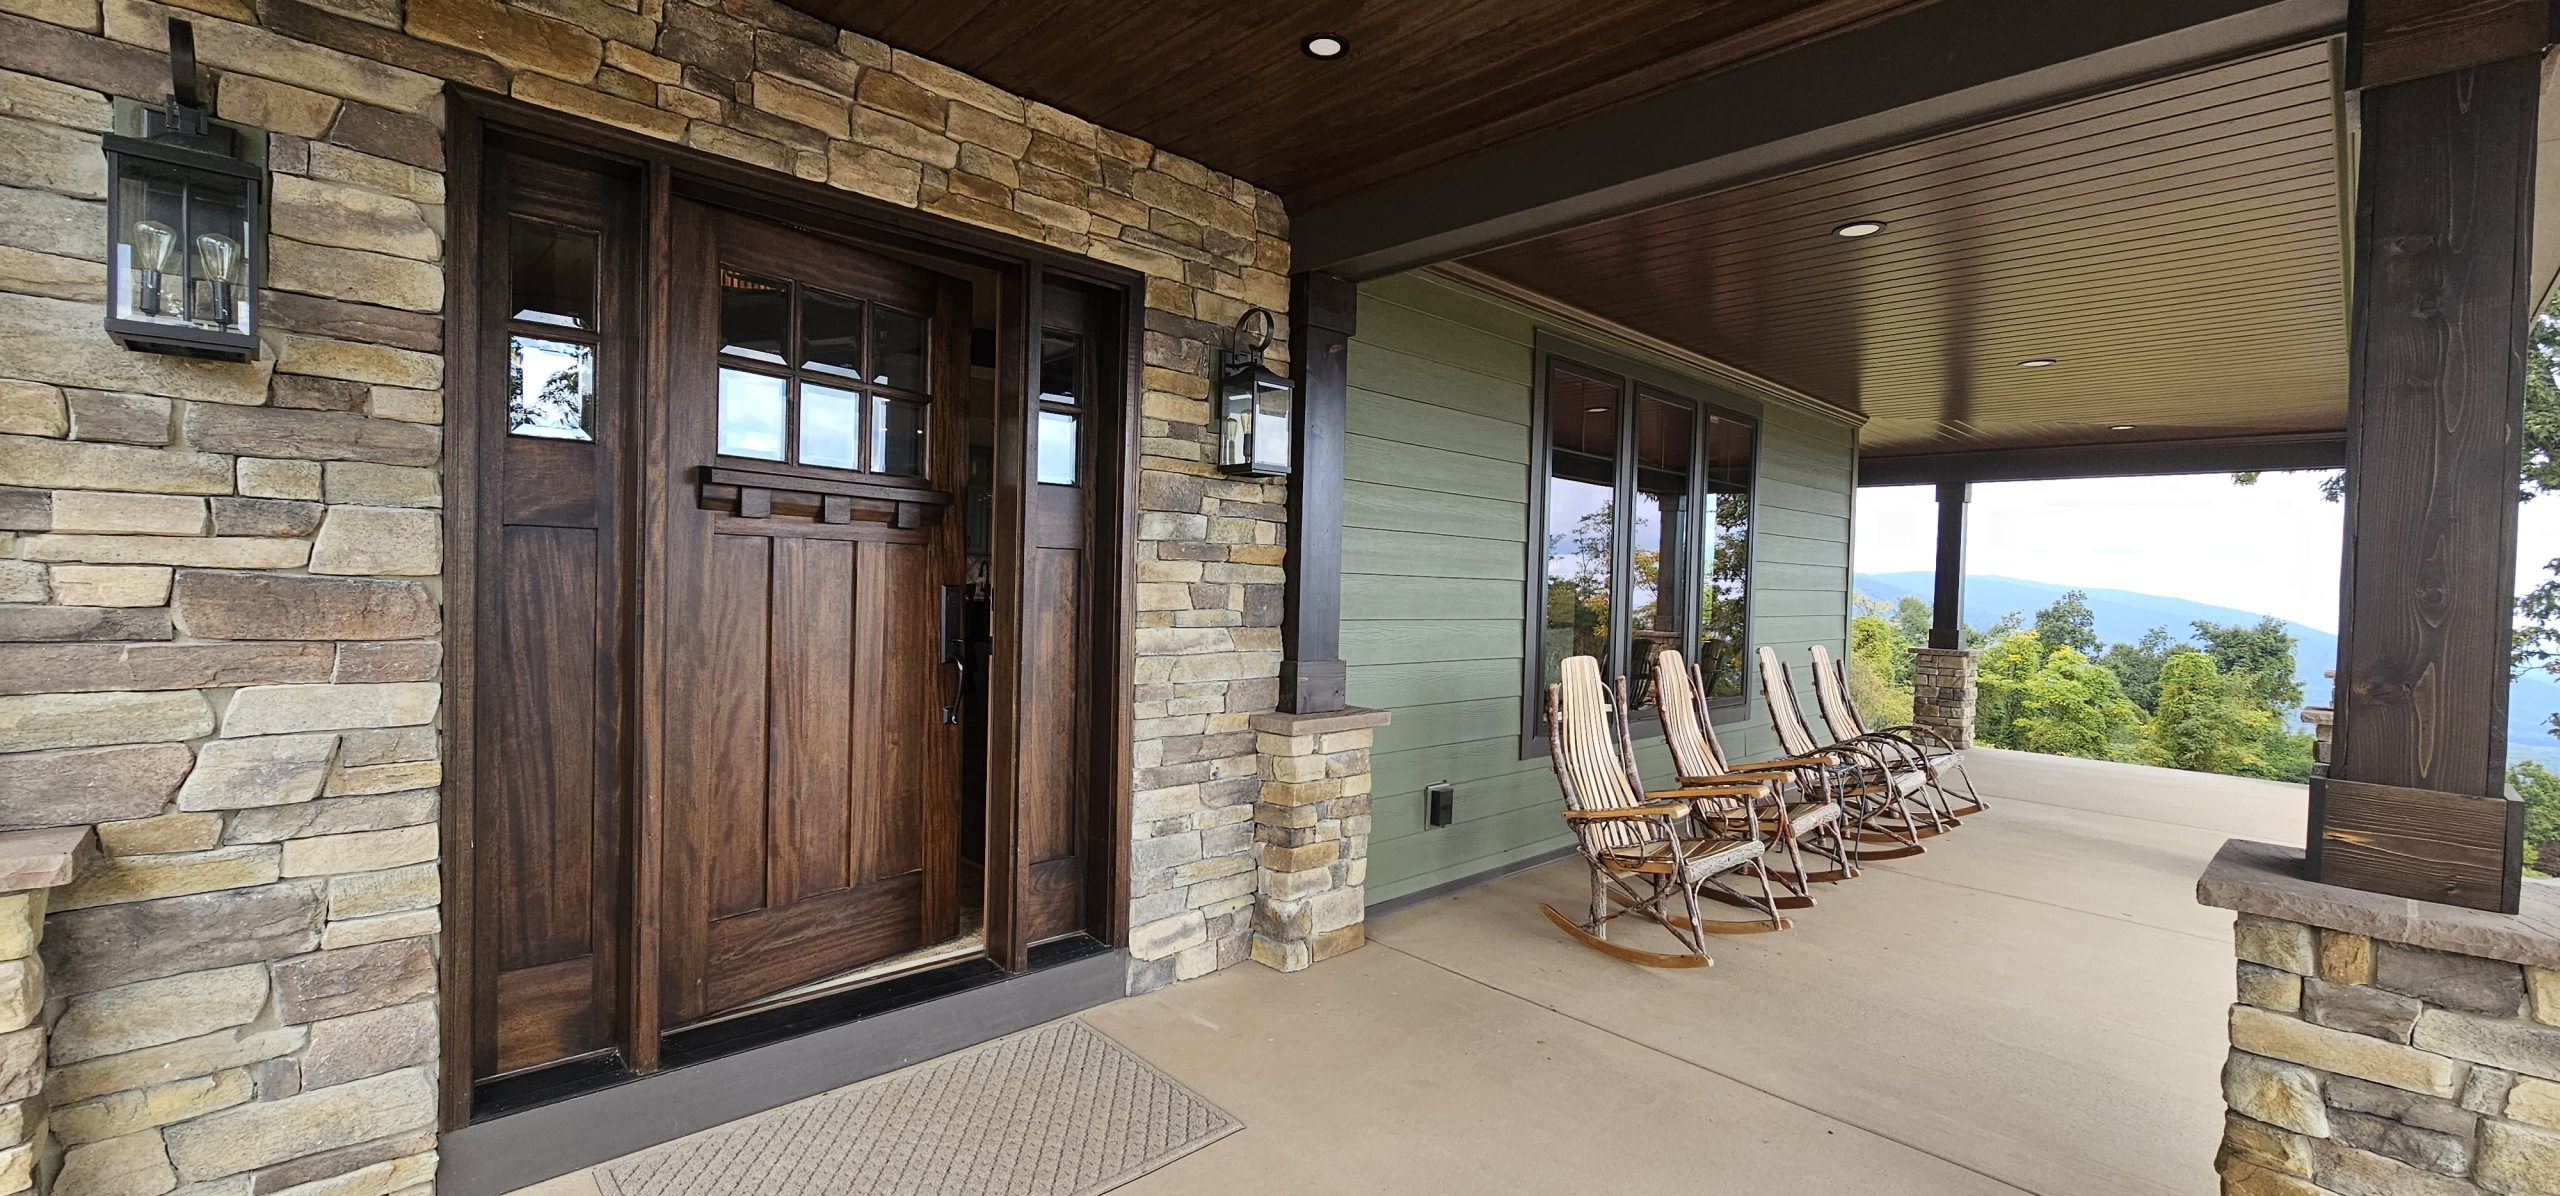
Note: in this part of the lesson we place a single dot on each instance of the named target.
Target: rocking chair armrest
(1661, 809)
(1686, 790)
(1788, 764)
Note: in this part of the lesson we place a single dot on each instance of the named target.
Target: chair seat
(1804, 816)
(1705, 856)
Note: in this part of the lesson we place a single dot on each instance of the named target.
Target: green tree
(2264, 652)
(2069, 623)
(1912, 619)
(2002, 669)
(2541, 790)
(2070, 707)
(2207, 722)
(2137, 665)
(1877, 653)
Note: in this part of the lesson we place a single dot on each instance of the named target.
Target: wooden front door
(814, 463)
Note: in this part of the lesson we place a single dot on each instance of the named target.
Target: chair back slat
(1834, 700)
(1683, 731)
(1849, 701)
(1586, 755)
(1784, 715)
(1698, 684)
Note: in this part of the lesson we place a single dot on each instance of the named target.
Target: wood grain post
(1946, 610)
(2415, 801)
(1322, 317)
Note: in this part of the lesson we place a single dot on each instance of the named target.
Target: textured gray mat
(1060, 1110)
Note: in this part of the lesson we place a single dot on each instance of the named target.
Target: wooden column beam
(2415, 800)
(1323, 313)
(1946, 608)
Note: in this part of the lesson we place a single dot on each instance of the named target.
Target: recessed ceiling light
(1323, 45)
(2120, 427)
(2035, 363)
(1859, 228)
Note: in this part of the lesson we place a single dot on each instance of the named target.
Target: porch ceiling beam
(1938, 67)
(2229, 454)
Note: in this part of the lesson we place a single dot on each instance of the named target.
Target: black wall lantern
(184, 228)
(1255, 405)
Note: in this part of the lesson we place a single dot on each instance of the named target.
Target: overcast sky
(2271, 548)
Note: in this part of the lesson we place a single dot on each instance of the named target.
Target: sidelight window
(814, 378)
(551, 331)
(1644, 503)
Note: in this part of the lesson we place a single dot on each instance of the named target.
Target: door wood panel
(813, 809)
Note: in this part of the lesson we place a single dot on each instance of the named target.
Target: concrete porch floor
(2036, 1005)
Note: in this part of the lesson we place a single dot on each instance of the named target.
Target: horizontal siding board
(1416, 375)
(1394, 686)
(1391, 598)
(1450, 722)
(1420, 554)
(1405, 509)
(1419, 641)
(1397, 326)
(1407, 422)
(1424, 467)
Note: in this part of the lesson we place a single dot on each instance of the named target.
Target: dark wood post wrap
(1323, 313)
(2415, 803)
(1946, 610)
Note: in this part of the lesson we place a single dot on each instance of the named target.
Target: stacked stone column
(1312, 825)
(1942, 692)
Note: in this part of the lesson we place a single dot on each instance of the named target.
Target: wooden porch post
(1946, 609)
(1322, 315)
(2415, 801)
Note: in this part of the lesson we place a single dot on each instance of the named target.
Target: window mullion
(1622, 536)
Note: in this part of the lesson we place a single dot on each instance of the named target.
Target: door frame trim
(670, 169)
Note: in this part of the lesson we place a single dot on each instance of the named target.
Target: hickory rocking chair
(1800, 815)
(1926, 747)
(1644, 850)
(1884, 800)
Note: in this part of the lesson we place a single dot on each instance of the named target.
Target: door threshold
(762, 1062)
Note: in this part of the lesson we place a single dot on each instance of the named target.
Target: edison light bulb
(218, 257)
(155, 249)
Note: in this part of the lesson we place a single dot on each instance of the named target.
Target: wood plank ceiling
(1425, 81)
(2175, 247)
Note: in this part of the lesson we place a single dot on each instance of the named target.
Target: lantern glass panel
(1271, 414)
(1235, 418)
(182, 248)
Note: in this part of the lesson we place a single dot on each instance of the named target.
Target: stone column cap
(40, 859)
(2266, 879)
(1322, 722)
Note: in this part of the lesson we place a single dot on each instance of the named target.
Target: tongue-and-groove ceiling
(2174, 247)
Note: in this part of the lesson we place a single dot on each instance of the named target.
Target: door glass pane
(897, 349)
(1581, 515)
(751, 414)
(552, 273)
(831, 334)
(830, 427)
(1061, 367)
(1057, 448)
(1724, 599)
(755, 317)
(551, 389)
(1664, 428)
(897, 437)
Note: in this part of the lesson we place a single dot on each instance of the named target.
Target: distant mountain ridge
(2123, 616)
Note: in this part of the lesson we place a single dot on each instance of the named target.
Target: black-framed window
(809, 377)
(1641, 514)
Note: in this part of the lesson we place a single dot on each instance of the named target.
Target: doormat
(1060, 1110)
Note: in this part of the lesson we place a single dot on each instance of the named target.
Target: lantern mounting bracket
(1257, 339)
(183, 119)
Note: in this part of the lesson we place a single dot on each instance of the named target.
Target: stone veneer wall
(220, 583)
(1942, 692)
(2365, 1066)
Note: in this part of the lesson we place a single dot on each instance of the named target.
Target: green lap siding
(1435, 565)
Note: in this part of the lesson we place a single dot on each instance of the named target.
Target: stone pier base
(1942, 692)
(1312, 825)
(2385, 1045)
